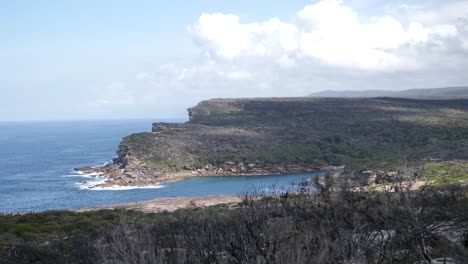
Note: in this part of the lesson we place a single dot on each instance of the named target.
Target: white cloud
(326, 45)
(224, 37)
(328, 31)
(448, 13)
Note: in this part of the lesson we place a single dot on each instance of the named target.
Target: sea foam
(103, 164)
(91, 184)
(97, 178)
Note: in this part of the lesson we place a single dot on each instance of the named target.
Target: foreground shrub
(310, 225)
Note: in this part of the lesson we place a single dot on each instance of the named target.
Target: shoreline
(113, 176)
(159, 205)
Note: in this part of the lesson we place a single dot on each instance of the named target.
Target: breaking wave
(97, 178)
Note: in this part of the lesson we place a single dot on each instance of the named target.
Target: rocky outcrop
(122, 156)
(134, 173)
(289, 135)
(161, 127)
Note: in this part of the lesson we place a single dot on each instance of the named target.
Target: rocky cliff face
(284, 135)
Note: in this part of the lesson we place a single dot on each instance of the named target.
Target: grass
(446, 173)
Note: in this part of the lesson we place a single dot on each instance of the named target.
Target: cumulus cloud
(326, 45)
(329, 32)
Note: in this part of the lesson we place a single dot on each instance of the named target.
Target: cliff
(285, 135)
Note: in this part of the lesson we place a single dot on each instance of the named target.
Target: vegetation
(372, 132)
(303, 227)
(317, 223)
(41, 227)
(446, 173)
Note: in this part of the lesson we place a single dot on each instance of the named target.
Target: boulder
(85, 169)
(242, 167)
(160, 127)
(332, 168)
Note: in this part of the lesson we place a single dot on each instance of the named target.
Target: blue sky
(65, 60)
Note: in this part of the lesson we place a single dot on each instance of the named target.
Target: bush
(310, 224)
(21, 229)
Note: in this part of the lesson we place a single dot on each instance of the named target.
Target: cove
(37, 161)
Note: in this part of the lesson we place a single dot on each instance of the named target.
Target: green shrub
(446, 172)
(21, 229)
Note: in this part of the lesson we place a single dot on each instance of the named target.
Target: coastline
(112, 175)
(165, 204)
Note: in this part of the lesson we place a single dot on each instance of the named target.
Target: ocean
(37, 161)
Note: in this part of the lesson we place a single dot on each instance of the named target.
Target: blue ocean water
(37, 161)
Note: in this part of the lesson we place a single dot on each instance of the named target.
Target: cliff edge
(287, 135)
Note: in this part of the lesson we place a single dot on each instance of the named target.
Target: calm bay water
(37, 161)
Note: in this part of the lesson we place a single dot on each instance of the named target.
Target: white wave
(90, 184)
(72, 176)
(103, 164)
(92, 179)
(84, 175)
(80, 174)
(93, 175)
(98, 178)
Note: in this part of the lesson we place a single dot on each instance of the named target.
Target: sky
(115, 59)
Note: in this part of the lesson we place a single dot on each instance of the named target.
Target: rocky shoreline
(365, 180)
(134, 174)
(261, 136)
